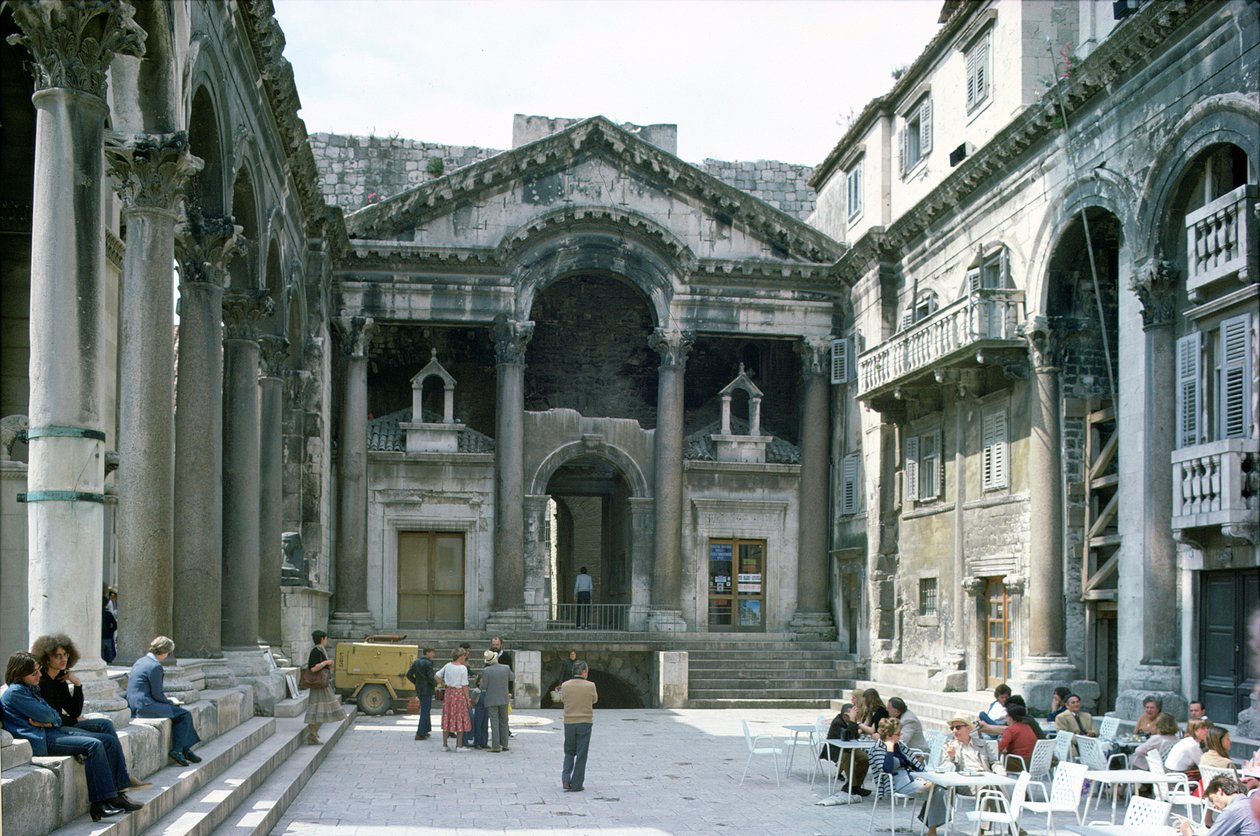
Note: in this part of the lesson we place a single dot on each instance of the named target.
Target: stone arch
(566, 453)
(244, 270)
(208, 188)
(1229, 119)
(273, 282)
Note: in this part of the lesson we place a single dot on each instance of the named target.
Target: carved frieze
(672, 344)
(511, 336)
(243, 313)
(150, 170)
(205, 246)
(273, 354)
(356, 334)
(73, 43)
(1156, 289)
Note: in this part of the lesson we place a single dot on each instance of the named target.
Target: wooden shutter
(910, 470)
(1189, 390)
(1235, 404)
(973, 279)
(839, 361)
(930, 466)
(925, 127)
(993, 464)
(903, 164)
(849, 503)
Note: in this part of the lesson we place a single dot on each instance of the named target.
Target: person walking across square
(580, 697)
(495, 677)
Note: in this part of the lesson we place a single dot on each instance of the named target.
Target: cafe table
(951, 782)
(852, 746)
(1128, 777)
(798, 729)
(1119, 829)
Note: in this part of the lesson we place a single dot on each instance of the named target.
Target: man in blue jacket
(147, 699)
(421, 675)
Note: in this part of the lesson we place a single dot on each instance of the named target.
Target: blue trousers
(100, 775)
(577, 741)
(425, 727)
(183, 735)
(480, 734)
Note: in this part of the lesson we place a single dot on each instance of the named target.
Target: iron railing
(614, 617)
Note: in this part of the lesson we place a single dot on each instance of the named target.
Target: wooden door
(1226, 601)
(737, 583)
(998, 633)
(430, 579)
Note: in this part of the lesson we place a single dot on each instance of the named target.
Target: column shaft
(510, 337)
(351, 614)
(271, 488)
(1045, 485)
(812, 574)
(673, 347)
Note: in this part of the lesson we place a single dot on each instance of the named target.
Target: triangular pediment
(593, 169)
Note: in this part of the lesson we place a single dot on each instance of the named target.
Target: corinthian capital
(1156, 289)
(815, 353)
(1043, 343)
(204, 247)
(150, 169)
(72, 42)
(273, 354)
(356, 334)
(510, 338)
(243, 310)
(672, 344)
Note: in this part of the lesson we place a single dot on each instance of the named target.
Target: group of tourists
(473, 716)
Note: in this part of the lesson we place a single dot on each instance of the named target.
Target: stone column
(673, 346)
(351, 616)
(506, 606)
(537, 549)
(150, 171)
(1046, 664)
(275, 352)
(204, 246)
(812, 618)
(71, 48)
(243, 310)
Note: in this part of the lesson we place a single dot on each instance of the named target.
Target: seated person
(889, 756)
(1058, 702)
(1021, 735)
(60, 687)
(911, 726)
(1196, 710)
(1228, 798)
(25, 714)
(871, 710)
(993, 720)
(1151, 707)
(1186, 752)
(965, 752)
(1073, 720)
(1164, 738)
(147, 699)
(844, 727)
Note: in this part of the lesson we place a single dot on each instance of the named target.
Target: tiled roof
(385, 434)
(699, 446)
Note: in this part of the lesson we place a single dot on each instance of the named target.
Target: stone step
(810, 704)
(759, 667)
(822, 695)
(934, 708)
(272, 797)
(172, 785)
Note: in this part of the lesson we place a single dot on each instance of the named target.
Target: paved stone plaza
(650, 772)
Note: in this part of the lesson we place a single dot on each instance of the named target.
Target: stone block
(1089, 692)
(671, 679)
(28, 795)
(268, 690)
(158, 726)
(145, 744)
(14, 753)
(71, 782)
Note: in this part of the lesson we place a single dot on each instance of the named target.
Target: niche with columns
(750, 447)
(441, 436)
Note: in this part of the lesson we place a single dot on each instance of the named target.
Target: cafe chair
(992, 807)
(1038, 763)
(1063, 746)
(822, 753)
(1108, 728)
(1178, 793)
(791, 743)
(884, 788)
(763, 745)
(1064, 795)
(1143, 812)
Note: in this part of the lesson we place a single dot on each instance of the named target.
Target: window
(916, 138)
(923, 475)
(978, 72)
(850, 487)
(927, 596)
(992, 272)
(1226, 409)
(993, 452)
(854, 183)
(1189, 389)
(1234, 375)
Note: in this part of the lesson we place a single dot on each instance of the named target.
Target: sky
(742, 79)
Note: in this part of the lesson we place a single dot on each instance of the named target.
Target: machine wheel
(374, 700)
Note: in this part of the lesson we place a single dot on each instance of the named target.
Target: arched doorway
(589, 515)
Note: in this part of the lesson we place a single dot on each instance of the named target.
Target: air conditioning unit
(959, 154)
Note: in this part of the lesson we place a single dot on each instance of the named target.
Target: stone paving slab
(650, 772)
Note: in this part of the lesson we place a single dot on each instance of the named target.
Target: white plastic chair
(935, 753)
(1040, 757)
(1064, 795)
(1090, 752)
(886, 788)
(1144, 812)
(1207, 773)
(992, 747)
(758, 746)
(1063, 746)
(1108, 728)
(1178, 793)
(821, 752)
(993, 808)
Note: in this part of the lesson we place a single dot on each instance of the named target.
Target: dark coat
(421, 675)
(144, 689)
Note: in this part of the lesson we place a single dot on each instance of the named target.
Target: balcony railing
(591, 617)
(966, 323)
(1221, 238)
(1216, 484)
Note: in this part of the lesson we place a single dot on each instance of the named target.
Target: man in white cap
(494, 684)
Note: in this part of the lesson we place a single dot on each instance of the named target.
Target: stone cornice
(869, 250)
(631, 224)
(1130, 44)
(596, 134)
(73, 43)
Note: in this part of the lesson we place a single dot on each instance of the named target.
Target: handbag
(317, 679)
(557, 696)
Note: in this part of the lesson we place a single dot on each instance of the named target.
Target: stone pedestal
(351, 615)
(670, 679)
(274, 354)
(510, 339)
(665, 621)
(1037, 677)
(150, 171)
(673, 347)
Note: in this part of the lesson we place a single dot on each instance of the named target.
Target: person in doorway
(1145, 725)
(109, 635)
(580, 696)
(147, 698)
(582, 588)
(454, 678)
(420, 674)
(495, 677)
(566, 667)
(324, 707)
(993, 720)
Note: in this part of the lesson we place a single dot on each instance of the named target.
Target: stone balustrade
(967, 324)
(1221, 238)
(1216, 484)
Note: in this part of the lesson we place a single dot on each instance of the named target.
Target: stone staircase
(933, 707)
(774, 672)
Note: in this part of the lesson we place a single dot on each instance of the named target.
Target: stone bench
(41, 794)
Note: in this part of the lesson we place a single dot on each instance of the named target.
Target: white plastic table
(797, 730)
(852, 746)
(952, 781)
(1130, 777)
(1119, 830)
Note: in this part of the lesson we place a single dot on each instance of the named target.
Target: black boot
(124, 803)
(101, 809)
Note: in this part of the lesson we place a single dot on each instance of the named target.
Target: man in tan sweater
(580, 697)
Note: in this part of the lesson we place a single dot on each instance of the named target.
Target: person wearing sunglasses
(964, 752)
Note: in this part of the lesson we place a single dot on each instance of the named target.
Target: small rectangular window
(994, 450)
(916, 138)
(978, 73)
(854, 185)
(927, 596)
(929, 466)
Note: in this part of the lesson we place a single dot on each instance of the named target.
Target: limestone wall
(785, 186)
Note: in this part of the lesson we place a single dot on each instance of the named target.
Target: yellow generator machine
(372, 672)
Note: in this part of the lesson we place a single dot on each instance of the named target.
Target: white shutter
(993, 464)
(925, 127)
(1189, 390)
(930, 470)
(910, 470)
(839, 361)
(849, 484)
(907, 319)
(903, 164)
(1004, 276)
(982, 70)
(973, 279)
(1235, 405)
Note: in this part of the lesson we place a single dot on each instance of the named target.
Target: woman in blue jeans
(28, 716)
